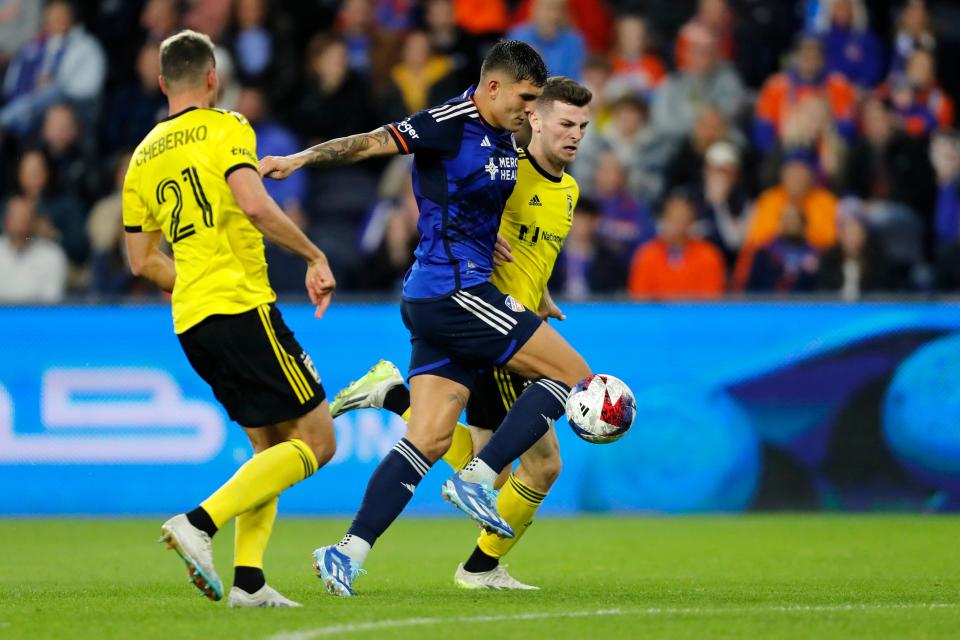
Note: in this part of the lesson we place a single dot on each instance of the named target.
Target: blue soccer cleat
(479, 501)
(336, 569)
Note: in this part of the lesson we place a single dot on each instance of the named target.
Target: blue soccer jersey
(464, 172)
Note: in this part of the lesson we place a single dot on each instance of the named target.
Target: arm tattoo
(346, 150)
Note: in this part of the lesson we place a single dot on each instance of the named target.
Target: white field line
(380, 625)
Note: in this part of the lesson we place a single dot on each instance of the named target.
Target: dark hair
(564, 89)
(185, 57)
(518, 59)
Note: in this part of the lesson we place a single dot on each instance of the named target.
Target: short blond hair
(185, 58)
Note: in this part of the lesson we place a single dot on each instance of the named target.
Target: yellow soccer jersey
(176, 182)
(536, 221)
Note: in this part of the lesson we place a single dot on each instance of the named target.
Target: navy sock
(397, 400)
(250, 579)
(480, 562)
(390, 488)
(202, 520)
(530, 417)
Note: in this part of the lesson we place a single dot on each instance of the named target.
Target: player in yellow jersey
(193, 180)
(534, 225)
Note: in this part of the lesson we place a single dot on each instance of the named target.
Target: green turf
(738, 577)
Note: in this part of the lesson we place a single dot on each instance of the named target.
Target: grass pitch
(739, 577)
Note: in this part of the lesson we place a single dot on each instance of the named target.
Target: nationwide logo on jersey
(535, 201)
(485, 142)
(513, 304)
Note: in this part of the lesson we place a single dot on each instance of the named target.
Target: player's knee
(547, 471)
(434, 446)
(323, 445)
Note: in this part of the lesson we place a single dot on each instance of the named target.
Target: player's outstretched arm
(277, 227)
(146, 259)
(331, 153)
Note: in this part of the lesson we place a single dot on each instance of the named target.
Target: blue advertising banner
(740, 406)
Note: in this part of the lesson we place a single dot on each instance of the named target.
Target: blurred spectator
(418, 72)
(855, 265)
(914, 33)
(597, 72)
(626, 221)
(917, 98)
(851, 49)
(586, 265)
(394, 15)
(685, 165)
(209, 16)
(797, 191)
(63, 63)
(161, 19)
(134, 109)
(714, 16)
(288, 271)
(447, 38)
(677, 265)
(19, 22)
(109, 273)
(945, 158)
(34, 269)
(630, 138)
(371, 50)
(73, 161)
(807, 76)
(886, 164)
(635, 68)
(389, 239)
(590, 18)
(260, 42)
(763, 32)
(722, 201)
(62, 215)
(809, 125)
(706, 80)
(229, 87)
(787, 264)
(336, 100)
(548, 32)
(274, 139)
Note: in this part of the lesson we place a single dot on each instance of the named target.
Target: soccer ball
(601, 409)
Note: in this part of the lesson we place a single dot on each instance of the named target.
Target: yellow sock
(253, 530)
(517, 503)
(260, 479)
(461, 448)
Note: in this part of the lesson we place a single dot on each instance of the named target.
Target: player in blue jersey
(465, 168)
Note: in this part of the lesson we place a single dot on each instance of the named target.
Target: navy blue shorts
(475, 328)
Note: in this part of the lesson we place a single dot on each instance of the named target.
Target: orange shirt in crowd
(819, 210)
(481, 16)
(659, 273)
(779, 94)
(648, 65)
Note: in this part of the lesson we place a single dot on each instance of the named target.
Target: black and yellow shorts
(493, 393)
(255, 366)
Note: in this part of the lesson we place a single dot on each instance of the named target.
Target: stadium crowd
(737, 145)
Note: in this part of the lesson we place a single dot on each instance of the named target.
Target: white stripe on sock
(418, 464)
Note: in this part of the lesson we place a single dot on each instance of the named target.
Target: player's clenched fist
(278, 167)
(320, 285)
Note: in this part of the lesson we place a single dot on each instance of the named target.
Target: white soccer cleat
(194, 547)
(497, 579)
(265, 596)
(369, 391)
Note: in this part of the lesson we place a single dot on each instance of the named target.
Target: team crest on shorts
(308, 363)
(513, 304)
